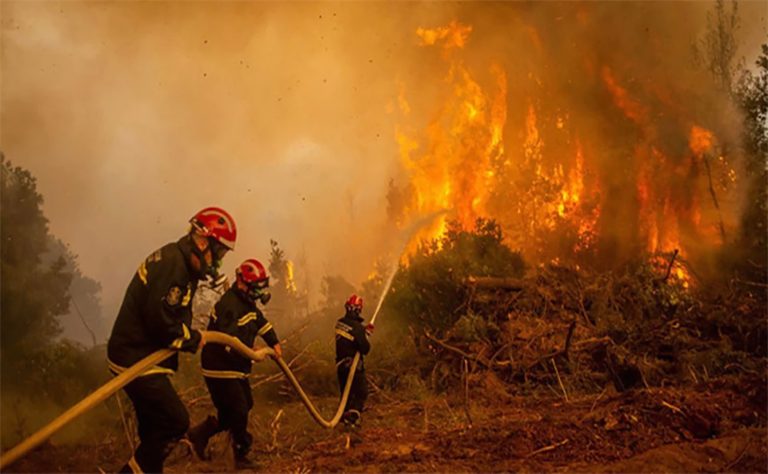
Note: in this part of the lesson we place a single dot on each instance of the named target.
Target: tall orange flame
(550, 199)
(449, 162)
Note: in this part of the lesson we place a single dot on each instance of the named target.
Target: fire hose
(124, 378)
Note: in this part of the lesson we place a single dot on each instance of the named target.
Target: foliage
(430, 291)
(64, 372)
(278, 266)
(335, 290)
(473, 327)
(753, 242)
(33, 294)
(287, 302)
(630, 307)
(717, 49)
(371, 288)
(38, 275)
(83, 322)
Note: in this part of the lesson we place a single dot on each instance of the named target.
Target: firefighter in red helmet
(156, 314)
(351, 338)
(226, 372)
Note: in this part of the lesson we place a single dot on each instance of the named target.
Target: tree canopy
(34, 293)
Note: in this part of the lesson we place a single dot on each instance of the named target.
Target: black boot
(201, 433)
(242, 460)
(351, 418)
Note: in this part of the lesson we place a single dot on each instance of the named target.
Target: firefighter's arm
(268, 334)
(363, 346)
(168, 299)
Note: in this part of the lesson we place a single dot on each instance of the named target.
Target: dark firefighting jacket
(350, 339)
(156, 310)
(237, 315)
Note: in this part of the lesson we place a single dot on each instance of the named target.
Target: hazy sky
(134, 115)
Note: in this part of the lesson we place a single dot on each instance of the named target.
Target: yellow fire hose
(221, 338)
(118, 382)
(106, 390)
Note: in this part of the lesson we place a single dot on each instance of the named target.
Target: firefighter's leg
(200, 434)
(241, 438)
(162, 420)
(357, 396)
(342, 372)
(232, 398)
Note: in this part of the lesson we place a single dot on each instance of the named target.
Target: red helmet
(252, 272)
(217, 224)
(354, 303)
(254, 276)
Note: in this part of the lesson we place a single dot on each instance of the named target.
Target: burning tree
(288, 303)
(642, 171)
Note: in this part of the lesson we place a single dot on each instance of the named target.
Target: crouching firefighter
(156, 314)
(351, 338)
(226, 371)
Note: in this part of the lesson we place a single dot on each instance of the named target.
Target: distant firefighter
(352, 337)
(156, 314)
(226, 372)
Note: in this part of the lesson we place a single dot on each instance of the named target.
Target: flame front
(549, 181)
(450, 161)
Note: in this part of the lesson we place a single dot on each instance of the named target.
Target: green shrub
(431, 290)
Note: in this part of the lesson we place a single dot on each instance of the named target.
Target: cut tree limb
(548, 448)
(562, 352)
(669, 267)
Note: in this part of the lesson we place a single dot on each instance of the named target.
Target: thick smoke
(134, 115)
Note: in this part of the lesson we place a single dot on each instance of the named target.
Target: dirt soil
(719, 426)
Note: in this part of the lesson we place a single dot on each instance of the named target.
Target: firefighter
(225, 371)
(156, 314)
(352, 337)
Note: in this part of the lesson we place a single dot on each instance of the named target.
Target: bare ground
(719, 426)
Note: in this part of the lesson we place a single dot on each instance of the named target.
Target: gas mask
(218, 251)
(264, 297)
(259, 291)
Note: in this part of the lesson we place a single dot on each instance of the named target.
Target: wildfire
(458, 160)
(633, 109)
(668, 187)
(450, 161)
(290, 284)
(672, 269)
(543, 183)
(455, 35)
(700, 140)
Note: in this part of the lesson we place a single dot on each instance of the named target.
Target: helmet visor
(260, 284)
(218, 249)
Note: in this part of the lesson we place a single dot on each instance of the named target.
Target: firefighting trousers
(233, 400)
(162, 420)
(357, 393)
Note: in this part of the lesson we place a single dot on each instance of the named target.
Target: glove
(278, 351)
(369, 329)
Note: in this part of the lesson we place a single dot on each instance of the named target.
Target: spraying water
(405, 237)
